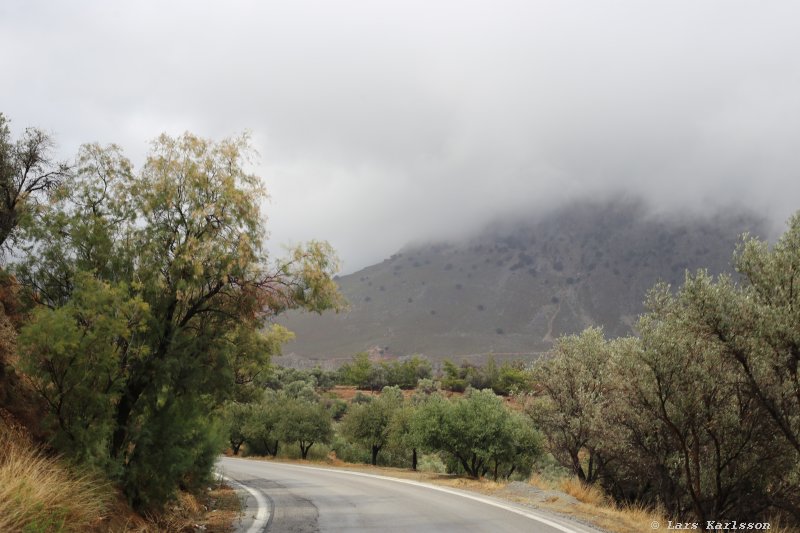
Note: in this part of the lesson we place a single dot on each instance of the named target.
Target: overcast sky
(382, 122)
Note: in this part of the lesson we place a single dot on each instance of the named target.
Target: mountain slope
(517, 286)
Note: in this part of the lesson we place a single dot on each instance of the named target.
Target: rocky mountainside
(517, 286)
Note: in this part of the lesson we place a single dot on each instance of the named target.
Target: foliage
(177, 250)
(401, 437)
(369, 424)
(570, 411)
(261, 426)
(404, 373)
(235, 417)
(407, 372)
(27, 172)
(509, 378)
(357, 372)
(478, 432)
(76, 356)
(305, 423)
(700, 414)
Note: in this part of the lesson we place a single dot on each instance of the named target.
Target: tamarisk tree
(180, 244)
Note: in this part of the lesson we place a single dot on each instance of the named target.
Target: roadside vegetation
(136, 302)
(137, 330)
(40, 493)
(695, 419)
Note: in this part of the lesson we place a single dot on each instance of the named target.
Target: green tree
(453, 378)
(305, 423)
(369, 424)
(757, 325)
(512, 378)
(405, 374)
(574, 380)
(709, 439)
(401, 435)
(235, 416)
(477, 431)
(261, 427)
(357, 372)
(27, 171)
(185, 235)
(250, 351)
(75, 356)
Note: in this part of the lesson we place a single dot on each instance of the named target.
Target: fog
(380, 123)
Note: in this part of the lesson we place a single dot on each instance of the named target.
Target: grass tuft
(38, 494)
(583, 492)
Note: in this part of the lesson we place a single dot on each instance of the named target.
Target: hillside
(518, 285)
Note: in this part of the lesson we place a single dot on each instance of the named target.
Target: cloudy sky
(380, 122)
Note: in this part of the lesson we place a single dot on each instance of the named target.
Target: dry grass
(39, 494)
(213, 511)
(583, 492)
(595, 507)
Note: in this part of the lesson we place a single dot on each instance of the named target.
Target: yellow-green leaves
(158, 287)
(78, 357)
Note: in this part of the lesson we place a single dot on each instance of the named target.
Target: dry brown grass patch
(39, 493)
(583, 492)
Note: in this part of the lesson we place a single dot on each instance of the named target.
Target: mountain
(518, 285)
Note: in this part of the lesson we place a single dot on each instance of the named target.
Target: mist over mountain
(517, 285)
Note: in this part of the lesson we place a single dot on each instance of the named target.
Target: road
(310, 499)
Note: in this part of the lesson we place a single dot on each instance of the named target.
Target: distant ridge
(517, 286)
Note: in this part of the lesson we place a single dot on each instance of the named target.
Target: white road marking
(261, 519)
(487, 501)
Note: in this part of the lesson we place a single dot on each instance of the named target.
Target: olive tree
(570, 408)
(305, 423)
(478, 431)
(369, 424)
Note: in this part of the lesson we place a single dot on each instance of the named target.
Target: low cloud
(379, 123)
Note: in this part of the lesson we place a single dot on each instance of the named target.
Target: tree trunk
(304, 450)
(138, 382)
(375, 450)
(414, 459)
(133, 391)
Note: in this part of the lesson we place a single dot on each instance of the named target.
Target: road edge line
(464, 494)
(263, 515)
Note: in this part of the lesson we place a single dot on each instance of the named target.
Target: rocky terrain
(514, 288)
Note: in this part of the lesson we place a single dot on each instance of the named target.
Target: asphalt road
(293, 498)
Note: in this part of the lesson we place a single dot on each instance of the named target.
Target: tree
(721, 455)
(574, 380)
(236, 416)
(250, 351)
(406, 373)
(401, 436)
(757, 325)
(261, 427)
(75, 357)
(369, 424)
(477, 431)
(357, 372)
(305, 423)
(27, 171)
(185, 235)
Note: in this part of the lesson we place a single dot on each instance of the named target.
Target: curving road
(294, 498)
